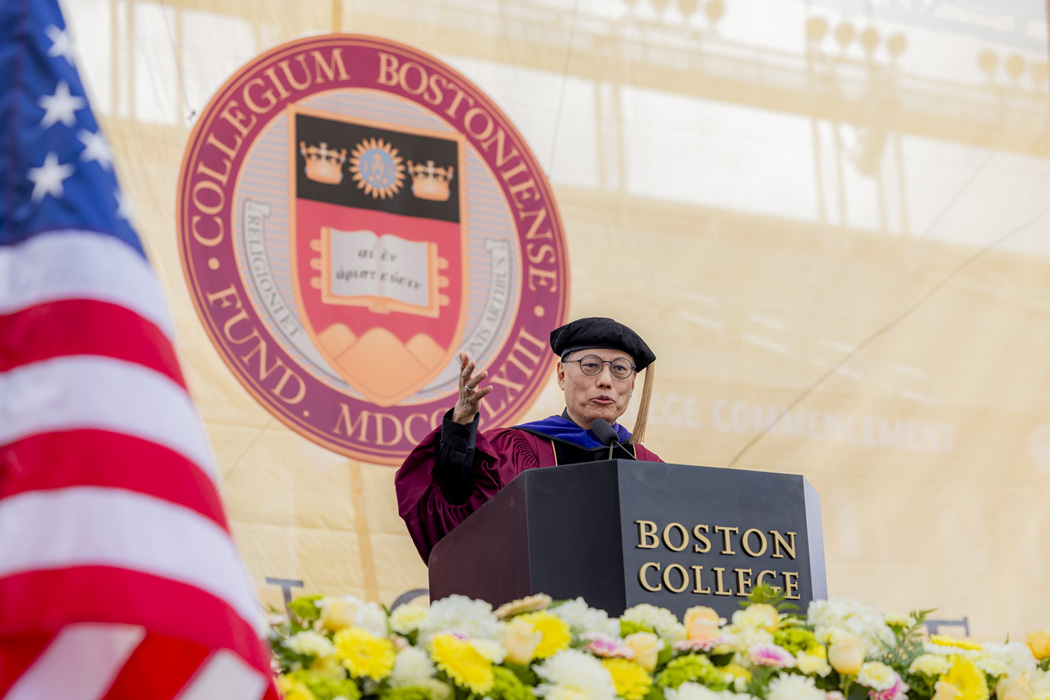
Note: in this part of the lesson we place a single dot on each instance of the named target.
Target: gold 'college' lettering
(677, 579)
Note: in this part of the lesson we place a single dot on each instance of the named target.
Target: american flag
(118, 574)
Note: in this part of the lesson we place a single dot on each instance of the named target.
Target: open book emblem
(380, 272)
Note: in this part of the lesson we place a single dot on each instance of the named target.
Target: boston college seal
(351, 214)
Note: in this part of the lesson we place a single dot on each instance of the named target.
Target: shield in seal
(378, 249)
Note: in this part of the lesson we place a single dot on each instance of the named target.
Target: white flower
(930, 665)
(491, 650)
(574, 674)
(789, 686)
(853, 617)
(877, 676)
(660, 620)
(457, 613)
(372, 619)
(346, 611)
(994, 667)
(310, 643)
(583, 619)
(406, 619)
(1016, 656)
(746, 637)
(412, 666)
(696, 691)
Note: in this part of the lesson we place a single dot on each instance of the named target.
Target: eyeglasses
(592, 366)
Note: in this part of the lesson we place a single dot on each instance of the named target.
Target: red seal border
(212, 163)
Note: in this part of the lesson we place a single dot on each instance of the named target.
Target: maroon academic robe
(499, 456)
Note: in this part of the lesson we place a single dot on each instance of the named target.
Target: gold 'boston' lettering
(647, 538)
(727, 547)
(704, 544)
(289, 386)
(779, 541)
(525, 356)
(745, 542)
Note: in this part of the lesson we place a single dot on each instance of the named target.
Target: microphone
(604, 432)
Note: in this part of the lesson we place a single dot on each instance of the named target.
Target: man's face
(601, 396)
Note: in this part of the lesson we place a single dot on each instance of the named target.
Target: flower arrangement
(331, 648)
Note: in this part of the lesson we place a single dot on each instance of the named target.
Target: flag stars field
(96, 148)
(60, 43)
(61, 107)
(48, 178)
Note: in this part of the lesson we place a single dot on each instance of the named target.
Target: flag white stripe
(225, 675)
(124, 529)
(84, 391)
(80, 265)
(80, 664)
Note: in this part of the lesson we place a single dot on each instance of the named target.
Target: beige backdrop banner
(829, 219)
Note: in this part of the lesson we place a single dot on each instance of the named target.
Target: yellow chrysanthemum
(464, 664)
(364, 655)
(292, 689)
(555, 631)
(631, 680)
(967, 678)
(946, 641)
(736, 676)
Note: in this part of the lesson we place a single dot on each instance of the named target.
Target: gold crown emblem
(322, 164)
(429, 182)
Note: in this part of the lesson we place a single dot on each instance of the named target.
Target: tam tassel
(638, 434)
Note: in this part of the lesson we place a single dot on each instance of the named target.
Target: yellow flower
(556, 632)
(463, 663)
(1039, 643)
(701, 623)
(293, 689)
(845, 653)
(363, 654)
(632, 682)
(814, 661)
(737, 676)
(520, 639)
(946, 641)
(646, 647)
(761, 615)
(968, 681)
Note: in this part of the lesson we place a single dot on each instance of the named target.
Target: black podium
(622, 532)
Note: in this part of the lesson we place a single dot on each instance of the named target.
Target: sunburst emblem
(377, 168)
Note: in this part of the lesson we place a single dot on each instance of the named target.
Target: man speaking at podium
(455, 468)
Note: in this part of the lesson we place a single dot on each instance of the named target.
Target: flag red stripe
(46, 600)
(160, 663)
(101, 458)
(17, 653)
(85, 327)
